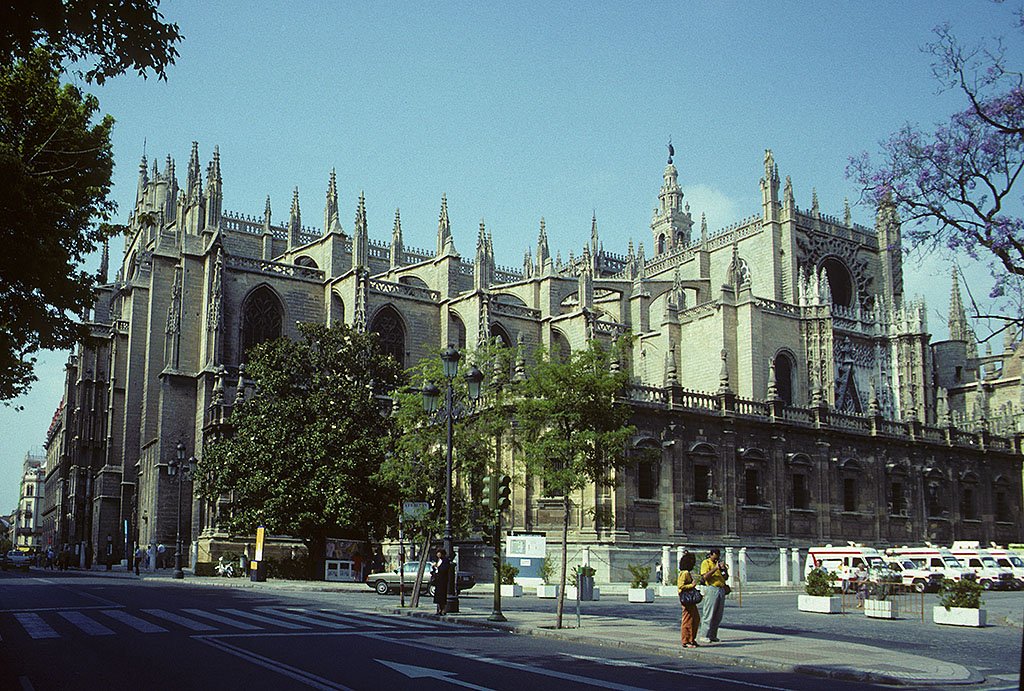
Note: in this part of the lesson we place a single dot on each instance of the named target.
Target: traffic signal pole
(498, 500)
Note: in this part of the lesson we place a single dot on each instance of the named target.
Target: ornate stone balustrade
(404, 289)
(507, 309)
(269, 267)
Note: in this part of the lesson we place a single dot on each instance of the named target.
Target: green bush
(963, 593)
(640, 575)
(581, 571)
(547, 571)
(508, 574)
(819, 583)
(289, 569)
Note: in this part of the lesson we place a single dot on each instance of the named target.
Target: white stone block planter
(511, 590)
(820, 603)
(570, 593)
(958, 616)
(641, 595)
(881, 609)
(547, 592)
(668, 591)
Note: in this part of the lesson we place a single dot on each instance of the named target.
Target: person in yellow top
(713, 574)
(691, 617)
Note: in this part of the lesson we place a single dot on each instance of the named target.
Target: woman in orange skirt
(691, 616)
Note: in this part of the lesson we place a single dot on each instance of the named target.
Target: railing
(281, 268)
(754, 408)
(416, 292)
(849, 421)
(510, 310)
(646, 394)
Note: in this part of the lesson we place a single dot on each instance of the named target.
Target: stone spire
(104, 263)
(527, 265)
(585, 281)
(773, 385)
(544, 265)
(445, 245)
(192, 178)
(671, 375)
(332, 223)
(890, 251)
(847, 216)
(594, 242)
(770, 186)
(481, 267)
(267, 241)
(214, 193)
(723, 376)
(143, 179)
(519, 372)
(295, 222)
(815, 212)
(957, 315)
(788, 201)
(703, 230)
(397, 248)
(361, 239)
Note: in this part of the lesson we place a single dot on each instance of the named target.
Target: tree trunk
(316, 548)
(565, 550)
(415, 602)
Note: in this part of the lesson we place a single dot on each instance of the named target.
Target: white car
(16, 559)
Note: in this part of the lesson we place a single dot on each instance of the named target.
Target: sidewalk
(781, 652)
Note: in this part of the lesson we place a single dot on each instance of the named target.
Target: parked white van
(990, 575)
(913, 576)
(850, 564)
(1009, 559)
(932, 558)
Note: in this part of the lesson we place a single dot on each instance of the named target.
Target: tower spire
(331, 222)
(397, 250)
(361, 241)
(957, 315)
(444, 228)
(543, 254)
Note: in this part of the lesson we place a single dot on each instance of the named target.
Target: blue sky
(518, 111)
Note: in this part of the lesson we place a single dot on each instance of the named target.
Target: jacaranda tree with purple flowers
(958, 185)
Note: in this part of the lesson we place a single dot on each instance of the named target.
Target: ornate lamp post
(181, 468)
(450, 359)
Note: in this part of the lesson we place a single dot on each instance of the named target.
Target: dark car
(385, 582)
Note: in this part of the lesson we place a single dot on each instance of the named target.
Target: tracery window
(784, 377)
(934, 489)
(753, 472)
(968, 496)
(1001, 496)
(850, 474)
(703, 457)
(261, 318)
(800, 481)
(388, 326)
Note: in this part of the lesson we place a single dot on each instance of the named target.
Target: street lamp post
(181, 468)
(450, 359)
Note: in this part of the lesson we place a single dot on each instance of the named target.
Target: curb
(704, 655)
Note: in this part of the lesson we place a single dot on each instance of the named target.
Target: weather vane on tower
(671, 151)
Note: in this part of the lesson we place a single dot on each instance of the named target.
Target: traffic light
(503, 492)
(489, 497)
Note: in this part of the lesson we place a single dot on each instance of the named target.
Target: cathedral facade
(792, 394)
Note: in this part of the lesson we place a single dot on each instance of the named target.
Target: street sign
(413, 510)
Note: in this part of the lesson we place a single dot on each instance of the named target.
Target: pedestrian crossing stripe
(266, 620)
(140, 625)
(191, 624)
(86, 624)
(221, 619)
(35, 626)
(304, 620)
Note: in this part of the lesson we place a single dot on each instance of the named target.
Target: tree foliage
(577, 424)
(55, 168)
(113, 36)
(305, 449)
(959, 184)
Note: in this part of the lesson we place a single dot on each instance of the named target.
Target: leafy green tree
(572, 412)
(55, 162)
(304, 452)
(115, 36)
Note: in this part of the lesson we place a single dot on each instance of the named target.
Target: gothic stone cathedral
(792, 392)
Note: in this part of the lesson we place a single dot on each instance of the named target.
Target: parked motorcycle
(224, 568)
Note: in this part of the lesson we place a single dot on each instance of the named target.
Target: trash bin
(258, 571)
(586, 587)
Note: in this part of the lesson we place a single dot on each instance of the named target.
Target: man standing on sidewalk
(713, 575)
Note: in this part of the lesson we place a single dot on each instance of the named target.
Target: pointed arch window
(969, 496)
(800, 486)
(388, 326)
(262, 316)
(704, 459)
(840, 282)
(850, 475)
(934, 492)
(1001, 497)
(784, 369)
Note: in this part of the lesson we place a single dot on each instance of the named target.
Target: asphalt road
(75, 631)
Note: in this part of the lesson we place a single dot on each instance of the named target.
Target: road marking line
(589, 681)
(138, 624)
(629, 663)
(180, 620)
(414, 672)
(97, 598)
(89, 626)
(224, 620)
(35, 626)
(54, 609)
(295, 673)
(265, 620)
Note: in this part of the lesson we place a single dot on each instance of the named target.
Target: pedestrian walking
(439, 574)
(49, 558)
(139, 556)
(659, 575)
(687, 585)
(713, 575)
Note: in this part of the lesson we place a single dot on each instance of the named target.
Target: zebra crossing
(49, 624)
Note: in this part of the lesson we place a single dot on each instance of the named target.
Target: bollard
(783, 566)
(795, 555)
(730, 563)
(666, 565)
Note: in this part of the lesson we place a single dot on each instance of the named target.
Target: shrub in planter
(964, 593)
(819, 583)
(640, 575)
(508, 574)
(547, 570)
(588, 571)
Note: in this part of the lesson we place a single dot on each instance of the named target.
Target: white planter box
(821, 604)
(668, 591)
(570, 593)
(958, 616)
(641, 595)
(511, 590)
(881, 609)
(547, 592)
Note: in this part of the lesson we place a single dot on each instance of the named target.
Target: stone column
(679, 553)
(730, 563)
(586, 555)
(743, 565)
(666, 565)
(783, 566)
(795, 556)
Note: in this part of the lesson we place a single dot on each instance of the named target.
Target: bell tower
(671, 221)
